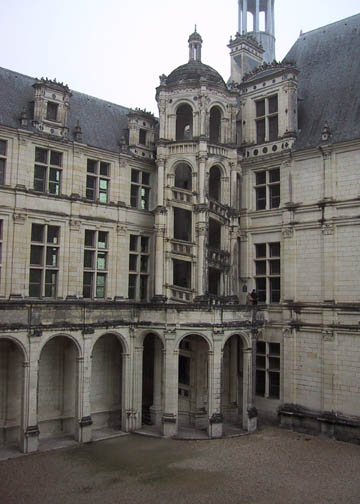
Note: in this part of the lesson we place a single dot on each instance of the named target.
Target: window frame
(138, 277)
(3, 161)
(267, 269)
(97, 250)
(140, 190)
(265, 116)
(267, 191)
(98, 177)
(48, 167)
(43, 267)
(265, 360)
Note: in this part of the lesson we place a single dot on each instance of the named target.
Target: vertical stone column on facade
(156, 407)
(202, 173)
(215, 416)
(127, 413)
(169, 419)
(160, 228)
(137, 385)
(122, 261)
(257, 15)
(269, 17)
(287, 372)
(30, 432)
(329, 262)
(244, 16)
(19, 248)
(84, 406)
(288, 264)
(233, 370)
(73, 258)
(201, 261)
(249, 412)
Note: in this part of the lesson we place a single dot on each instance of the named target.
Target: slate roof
(329, 82)
(103, 123)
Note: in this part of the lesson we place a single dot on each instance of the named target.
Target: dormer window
(267, 119)
(142, 137)
(52, 111)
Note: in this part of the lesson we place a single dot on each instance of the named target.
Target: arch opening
(106, 392)
(184, 123)
(193, 387)
(57, 388)
(215, 125)
(183, 176)
(232, 381)
(215, 183)
(11, 391)
(152, 381)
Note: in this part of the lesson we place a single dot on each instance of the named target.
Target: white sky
(116, 49)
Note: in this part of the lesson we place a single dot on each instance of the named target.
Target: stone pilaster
(169, 419)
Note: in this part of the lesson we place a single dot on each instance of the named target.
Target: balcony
(183, 148)
(218, 208)
(216, 150)
(181, 248)
(218, 258)
(182, 195)
(180, 294)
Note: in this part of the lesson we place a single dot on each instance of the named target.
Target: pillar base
(215, 429)
(85, 430)
(251, 420)
(30, 439)
(155, 415)
(169, 425)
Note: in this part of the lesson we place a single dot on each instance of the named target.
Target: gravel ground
(272, 466)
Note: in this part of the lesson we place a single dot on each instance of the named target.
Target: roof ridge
(330, 24)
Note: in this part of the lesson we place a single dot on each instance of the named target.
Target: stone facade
(129, 244)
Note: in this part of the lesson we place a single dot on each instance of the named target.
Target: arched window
(183, 176)
(215, 183)
(184, 122)
(215, 125)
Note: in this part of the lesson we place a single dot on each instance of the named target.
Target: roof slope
(329, 81)
(102, 123)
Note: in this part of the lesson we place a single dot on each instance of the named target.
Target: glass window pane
(55, 158)
(261, 198)
(133, 262)
(51, 256)
(90, 188)
(35, 283)
(260, 267)
(144, 264)
(36, 254)
(104, 169)
(91, 166)
(37, 233)
(53, 235)
(275, 267)
(133, 242)
(273, 128)
(274, 363)
(39, 178)
(274, 249)
(101, 261)
(261, 289)
(2, 147)
(274, 348)
(87, 285)
(144, 244)
(275, 196)
(41, 155)
(260, 108)
(134, 196)
(102, 239)
(100, 285)
(89, 259)
(274, 385)
(273, 104)
(261, 347)
(50, 283)
(143, 287)
(260, 362)
(274, 175)
(260, 383)
(260, 131)
(146, 178)
(260, 178)
(2, 171)
(260, 249)
(275, 290)
(51, 112)
(135, 175)
(89, 238)
(54, 182)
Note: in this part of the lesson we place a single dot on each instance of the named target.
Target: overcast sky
(116, 49)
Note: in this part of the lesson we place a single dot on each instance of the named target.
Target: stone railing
(218, 208)
(183, 148)
(216, 150)
(218, 257)
(181, 248)
(182, 195)
(181, 294)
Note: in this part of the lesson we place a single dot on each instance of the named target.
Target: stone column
(169, 419)
(202, 229)
(288, 264)
(160, 230)
(202, 173)
(215, 415)
(84, 406)
(257, 15)
(233, 369)
(126, 396)
(156, 408)
(244, 17)
(137, 385)
(29, 437)
(249, 412)
(73, 257)
(328, 378)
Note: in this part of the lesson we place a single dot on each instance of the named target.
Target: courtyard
(271, 466)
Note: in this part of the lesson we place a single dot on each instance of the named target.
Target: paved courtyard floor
(273, 466)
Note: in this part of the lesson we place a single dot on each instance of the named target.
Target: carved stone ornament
(328, 336)
(288, 232)
(201, 207)
(327, 229)
(160, 209)
(19, 218)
